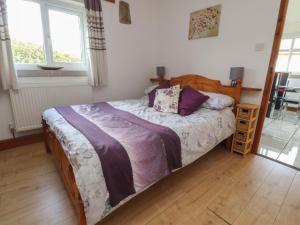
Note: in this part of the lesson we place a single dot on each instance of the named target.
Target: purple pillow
(190, 101)
(152, 93)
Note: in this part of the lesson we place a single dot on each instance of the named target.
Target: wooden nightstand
(245, 128)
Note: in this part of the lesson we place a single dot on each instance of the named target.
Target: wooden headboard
(202, 83)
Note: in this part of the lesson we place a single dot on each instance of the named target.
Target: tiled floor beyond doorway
(281, 140)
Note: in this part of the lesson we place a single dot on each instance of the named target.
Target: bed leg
(47, 148)
(228, 143)
(46, 136)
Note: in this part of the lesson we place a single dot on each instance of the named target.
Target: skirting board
(20, 141)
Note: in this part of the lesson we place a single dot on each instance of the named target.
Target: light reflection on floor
(281, 141)
(289, 157)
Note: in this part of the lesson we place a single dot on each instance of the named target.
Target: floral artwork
(205, 23)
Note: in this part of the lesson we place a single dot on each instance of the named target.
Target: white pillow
(149, 89)
(167, 100)
(217, 101)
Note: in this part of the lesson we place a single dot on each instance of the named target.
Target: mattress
(199, 133)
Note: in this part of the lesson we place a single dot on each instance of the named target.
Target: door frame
(271, 72)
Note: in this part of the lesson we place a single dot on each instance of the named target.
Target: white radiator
(29, 103)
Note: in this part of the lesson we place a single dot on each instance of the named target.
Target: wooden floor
(220, 188)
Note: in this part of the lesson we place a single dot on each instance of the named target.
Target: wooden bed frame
(64, 165)
(202, 83)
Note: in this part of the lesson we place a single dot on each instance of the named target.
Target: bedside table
(245, 128)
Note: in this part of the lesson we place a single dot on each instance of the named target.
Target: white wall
(292, 24)
(158, 36)
(243, 24)
(131, 57)
(5, 114)
(132, 50)
(292, 28)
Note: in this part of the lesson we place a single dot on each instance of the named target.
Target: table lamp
(236, 73)
(161, 72)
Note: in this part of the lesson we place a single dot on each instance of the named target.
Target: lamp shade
(160, 71)
(237, 73)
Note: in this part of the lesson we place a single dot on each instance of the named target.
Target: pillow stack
(152, 93)
(174, 100)
(190, 101)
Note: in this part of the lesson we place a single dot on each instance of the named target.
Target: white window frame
(70, 7)
(290, 51)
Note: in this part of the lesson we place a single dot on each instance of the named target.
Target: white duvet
(199, 133)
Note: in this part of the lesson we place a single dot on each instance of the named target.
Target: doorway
(279, 123)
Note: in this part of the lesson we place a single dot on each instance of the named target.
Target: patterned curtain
(97, 46)
(8, 73)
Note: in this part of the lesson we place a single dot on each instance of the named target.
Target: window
(297, 43)
(27, 41)
(66, 45)
(47, 32)
(282, 62)
(286, 44)
(289, 56)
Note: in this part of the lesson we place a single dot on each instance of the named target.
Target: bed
(85, 175)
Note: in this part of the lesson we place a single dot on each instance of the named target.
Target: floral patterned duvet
(198, 133)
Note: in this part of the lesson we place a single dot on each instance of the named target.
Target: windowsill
(65, 67)
(52, 73)
(53, 81)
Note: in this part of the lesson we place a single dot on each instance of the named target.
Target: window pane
(282, 62)
(286, 44)
(65, 36)
(25, 24)
(295, 62)
(297, 43)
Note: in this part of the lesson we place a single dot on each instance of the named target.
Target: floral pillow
(152, 93)
(167, 100)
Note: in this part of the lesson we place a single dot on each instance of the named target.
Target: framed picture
(205, 23)
(124, 11)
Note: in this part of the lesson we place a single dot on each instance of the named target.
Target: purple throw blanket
(133, 152)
